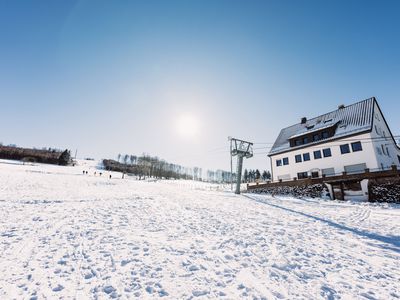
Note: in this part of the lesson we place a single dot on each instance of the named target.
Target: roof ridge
(350, 105)
(347, 106)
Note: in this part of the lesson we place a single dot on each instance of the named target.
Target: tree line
(150, 166)
(44, 155)
(254, 175)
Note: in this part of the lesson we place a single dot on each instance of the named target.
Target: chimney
(341, 106)
(303, 120)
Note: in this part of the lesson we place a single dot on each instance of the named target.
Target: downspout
(272, 172)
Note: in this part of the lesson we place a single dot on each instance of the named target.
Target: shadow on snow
(394, 241)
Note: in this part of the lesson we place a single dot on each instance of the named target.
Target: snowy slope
(73, 236)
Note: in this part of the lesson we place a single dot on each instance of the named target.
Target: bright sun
(187, 126)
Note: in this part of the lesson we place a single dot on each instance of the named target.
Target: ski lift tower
(240, 149)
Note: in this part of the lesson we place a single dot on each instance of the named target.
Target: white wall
(381, 137)
(336, 161)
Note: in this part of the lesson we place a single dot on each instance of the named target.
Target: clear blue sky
(111, 77)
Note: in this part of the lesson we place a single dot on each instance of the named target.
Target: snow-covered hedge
(385, 191)
(314, 190)
(379, 190)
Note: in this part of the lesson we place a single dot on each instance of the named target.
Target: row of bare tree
(147, 166)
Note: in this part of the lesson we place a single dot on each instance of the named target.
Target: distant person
(94, 173)
(110, 176)
(100, 173)
(83, 172)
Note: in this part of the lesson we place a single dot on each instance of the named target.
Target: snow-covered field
(68, 235)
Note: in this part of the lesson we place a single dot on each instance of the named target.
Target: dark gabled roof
(352, 119)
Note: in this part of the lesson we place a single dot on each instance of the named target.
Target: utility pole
(239, 173)
(230, 151)
(240, 149)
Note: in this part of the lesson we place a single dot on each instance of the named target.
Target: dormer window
(327, 121)
(313, 136)
(310, 127)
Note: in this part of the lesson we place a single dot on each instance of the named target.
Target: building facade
(350, 139)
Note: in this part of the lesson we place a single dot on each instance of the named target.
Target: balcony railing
(356, 175)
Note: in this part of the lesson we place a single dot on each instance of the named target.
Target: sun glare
(187, 126)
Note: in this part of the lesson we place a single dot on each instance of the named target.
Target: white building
(349, 139)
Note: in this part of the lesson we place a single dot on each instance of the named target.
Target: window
(302, 175)
(328, 171)
(298, 158)
(285, 161)
(379, 150)
(316, 137)
(314, 174)
(284, 177)
(356, 146)
(327, 121)
(398, 156)
(325, 134)
(278, 162)
(317, 154)
(327, 152)
(358, 168)
(383, 150)
(305, 140)
(345, 148)
(306, 156)
(297, 142)
(310, 127)
(387, 151)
